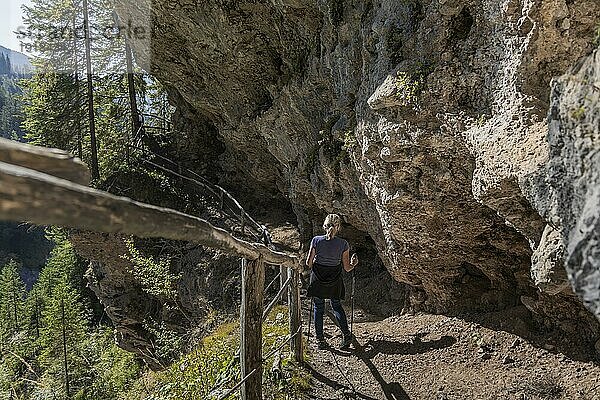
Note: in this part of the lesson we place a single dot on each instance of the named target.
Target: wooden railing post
(283, 277)
(296, 347)
(253, 283)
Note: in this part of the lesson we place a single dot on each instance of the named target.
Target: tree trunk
(37, 316)
(136, 123)
(77, 94)
(64, 343)
(90, 93)
(14, 288)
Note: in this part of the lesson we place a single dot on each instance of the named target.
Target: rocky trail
(427, 356)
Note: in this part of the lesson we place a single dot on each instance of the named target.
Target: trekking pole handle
(354, 260)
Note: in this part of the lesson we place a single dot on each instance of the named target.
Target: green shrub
(410, 84)
(213, 367)
(154, 275)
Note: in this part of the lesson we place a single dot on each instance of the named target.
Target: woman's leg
(340, 315)
(319, 311)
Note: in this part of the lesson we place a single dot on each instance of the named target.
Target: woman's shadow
(417, 346)
(393, 390)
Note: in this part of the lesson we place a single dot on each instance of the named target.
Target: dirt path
(444, 358)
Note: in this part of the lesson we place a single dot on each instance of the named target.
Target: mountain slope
(20, 62)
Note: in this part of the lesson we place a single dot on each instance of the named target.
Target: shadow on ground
(391, 390)
(374, 347)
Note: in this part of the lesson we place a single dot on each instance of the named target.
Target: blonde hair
(332, 225)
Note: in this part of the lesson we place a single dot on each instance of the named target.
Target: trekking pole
(310, 313)
(352, 304)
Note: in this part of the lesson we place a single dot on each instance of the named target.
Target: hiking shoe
(346, 341)
(323, 345)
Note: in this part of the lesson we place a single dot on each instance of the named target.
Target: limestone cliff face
(422, 122)
(207, 281)
(571, 184)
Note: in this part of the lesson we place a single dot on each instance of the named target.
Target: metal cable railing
(264, 359)
(227, 203)
(230, 206)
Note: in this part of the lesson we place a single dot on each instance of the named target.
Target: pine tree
(62, 333)
(52, 110)
(12, 299)
(61, 320)
(62, 265)
(14, 342)
(9, 69)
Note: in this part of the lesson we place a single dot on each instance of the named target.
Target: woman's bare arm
(346, 261)
(311, 257)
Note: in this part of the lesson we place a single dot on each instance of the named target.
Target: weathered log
(295, 307)
(253, 282)
(49, 161)
(27, 195)
(283, 277)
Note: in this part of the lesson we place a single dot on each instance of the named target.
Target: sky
(10, 20)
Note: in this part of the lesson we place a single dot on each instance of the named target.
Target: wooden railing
(225, 202)
(48, 187)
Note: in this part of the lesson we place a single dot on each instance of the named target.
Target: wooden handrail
(54, 162)
(47, 187)
(28, 195)
(202, 182)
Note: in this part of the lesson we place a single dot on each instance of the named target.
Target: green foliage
(410, 84)
(53, 111)
(349, 140)
(62, 265)
(212, 367)
(578, 113)
(10, 108)
(62, 334)
(56, 104)
(167, 344)
(111, 370)
(154, 275)
(195, 375)
(481, 120)
(5, 65)
(12, 300)
(52, 339)
(55, 115)
(14, 343)
(294, 379)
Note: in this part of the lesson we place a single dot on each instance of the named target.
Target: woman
(327, 254)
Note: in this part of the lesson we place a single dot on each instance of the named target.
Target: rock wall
(207, 283)
(571, 183)
(422, 122)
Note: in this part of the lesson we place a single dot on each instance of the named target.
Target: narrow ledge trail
(445, 358)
